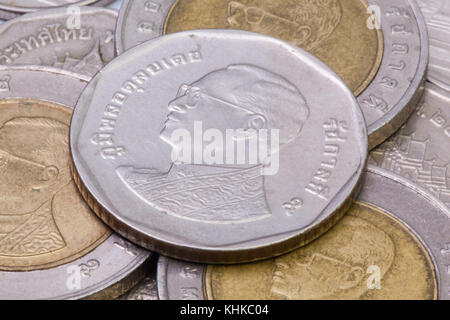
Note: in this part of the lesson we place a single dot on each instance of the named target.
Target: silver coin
(23, 6)
(437, 17)
(47, 38)
(417, 210)
(386, 103)
(110, 268)
(8, 15)
(419, 151)
(219, 210)
(147, 289)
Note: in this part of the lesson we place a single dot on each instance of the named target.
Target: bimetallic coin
(51, 38)
(384, 248)
(419, 151)
(34, 5)
(437, 17)
(340, 38)
(124, 137)
(383, 64)
(52, 246)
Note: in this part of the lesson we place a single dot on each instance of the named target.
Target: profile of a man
(304, 23)
(34, 169)
(239, 97)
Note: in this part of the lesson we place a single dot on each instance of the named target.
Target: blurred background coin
(55, 38)
(384, 248)
(419, 152)
(124, 130)
(379, 47)
(437, 17)
(52, 246)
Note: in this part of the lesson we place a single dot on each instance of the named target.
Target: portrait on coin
(239, 97)
(306, 23)
(39, 200)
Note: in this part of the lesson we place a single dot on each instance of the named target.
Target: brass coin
(336, 265)
(333, 30)
(44, 222)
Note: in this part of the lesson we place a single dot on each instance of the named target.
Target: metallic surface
(123, 158)
(389, 99)
(419, 152)
(408, 237)
(335, 32)
(147, 289)
(437, 17)
(34, 5)
(109, 266)
(44, 38)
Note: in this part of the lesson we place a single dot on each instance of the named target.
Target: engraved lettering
(400, 66)
(389, 83)
(87, 268)
(376, 103)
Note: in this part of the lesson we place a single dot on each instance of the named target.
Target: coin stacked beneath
(263, 149)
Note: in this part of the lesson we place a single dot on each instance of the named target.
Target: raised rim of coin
(435, 217)
(385, 109)
(44, 38)
(234, 250)
(124, 262)
(18, 9)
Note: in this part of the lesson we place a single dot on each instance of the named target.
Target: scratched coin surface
(419, 151)
(33, 5)
(237, 205)
(382, 60)
(437, 17)
(44, 38)
(47, 231)
(384, 248)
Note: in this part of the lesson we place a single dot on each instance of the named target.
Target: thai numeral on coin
(292, 206)
(88, 267)
(127, 247)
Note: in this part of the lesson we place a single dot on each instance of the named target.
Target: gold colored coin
(43, 220)
(368, 255)
(335, 31)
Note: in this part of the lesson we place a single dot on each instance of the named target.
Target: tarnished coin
(385, 248)
(420, 150)
(34, 5)
(378, 47)
(51, 38)
(207, 196)
(52, 246)
(437, 17)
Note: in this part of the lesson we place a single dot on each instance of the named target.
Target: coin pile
(211, 149)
